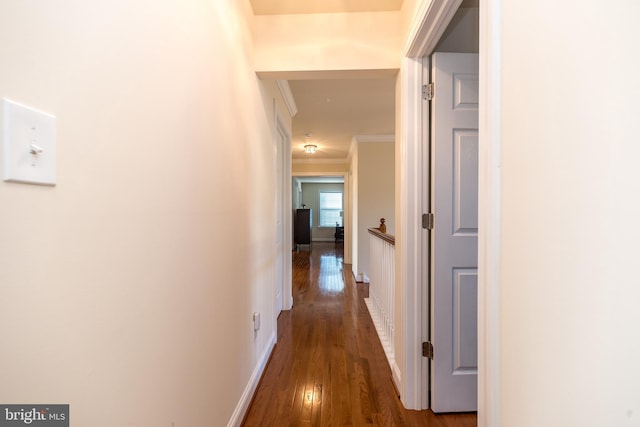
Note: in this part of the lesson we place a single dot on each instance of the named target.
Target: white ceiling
(335, 110)
(286, 7)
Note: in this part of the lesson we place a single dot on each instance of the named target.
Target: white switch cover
(256, 321)
(29, 144)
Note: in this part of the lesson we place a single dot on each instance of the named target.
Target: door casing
(284, 292)
(431, 19)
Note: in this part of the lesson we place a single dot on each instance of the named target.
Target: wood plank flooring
(328, 367)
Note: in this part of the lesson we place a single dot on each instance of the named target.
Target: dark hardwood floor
(328, 367)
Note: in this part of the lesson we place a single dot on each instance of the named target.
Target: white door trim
(430, 21)
(409, 241)
(347, 221)
(489, 214)
(284, 185)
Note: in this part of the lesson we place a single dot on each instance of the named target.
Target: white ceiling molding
(357, 139)
(426, 30)
(285, 91)
(385, 73)
(374, 138)
(339, 179)
(319, 161)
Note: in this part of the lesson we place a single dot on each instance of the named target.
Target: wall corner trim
(287, 95)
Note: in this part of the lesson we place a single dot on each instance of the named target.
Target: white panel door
(454, 239)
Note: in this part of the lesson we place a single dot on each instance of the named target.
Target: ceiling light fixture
(310, 148)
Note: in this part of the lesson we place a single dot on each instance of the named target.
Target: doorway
(318, 182)
(434, 33)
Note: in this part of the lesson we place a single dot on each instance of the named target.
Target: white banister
(381, 301)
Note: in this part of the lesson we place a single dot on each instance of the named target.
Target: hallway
(328, 367)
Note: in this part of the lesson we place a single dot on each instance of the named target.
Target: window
(330, 209)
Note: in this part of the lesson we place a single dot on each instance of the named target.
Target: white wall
(373, 164)
(319, 167)
(568, 294)
(128, 288)
(327, 41)
(376, 184)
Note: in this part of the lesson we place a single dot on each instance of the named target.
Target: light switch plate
(29, 144)
(256, 321)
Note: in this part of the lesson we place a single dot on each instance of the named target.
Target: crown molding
(373, 138)
(320, 161)
(285, 91)
(357, 139)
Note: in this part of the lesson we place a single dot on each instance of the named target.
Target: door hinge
(427, 221)
(427, 92)
(427, 350)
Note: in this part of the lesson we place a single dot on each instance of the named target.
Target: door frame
(283, 185)
(346, 220)
(431, 19)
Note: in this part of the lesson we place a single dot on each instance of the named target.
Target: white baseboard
(396, 376)
(362, 278)
(249, 390)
